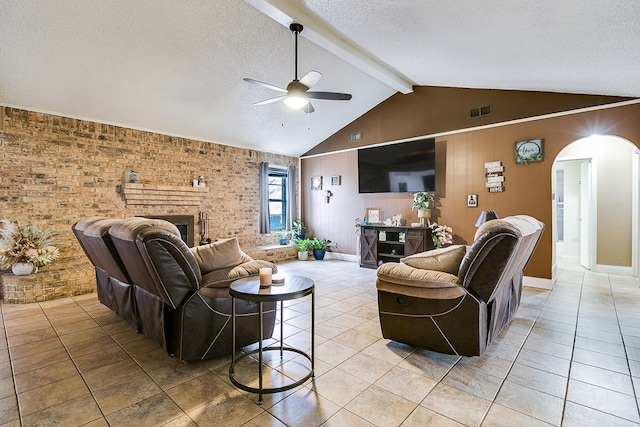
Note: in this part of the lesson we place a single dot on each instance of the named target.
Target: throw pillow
(445, 259)
(224, 253)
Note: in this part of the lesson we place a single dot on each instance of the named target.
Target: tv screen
(406, 167)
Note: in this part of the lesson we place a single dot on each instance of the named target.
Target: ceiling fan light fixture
(295, 101)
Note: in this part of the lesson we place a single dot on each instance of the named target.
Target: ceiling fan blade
(310, 78)
(271, 100)
(308, 108)
(334, 96)
(263, 84)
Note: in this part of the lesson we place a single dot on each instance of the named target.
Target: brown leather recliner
(456, 300)
(186, 312)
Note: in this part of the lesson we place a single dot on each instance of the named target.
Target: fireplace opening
(185, 225)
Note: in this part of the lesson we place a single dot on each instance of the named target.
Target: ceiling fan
(297, 92)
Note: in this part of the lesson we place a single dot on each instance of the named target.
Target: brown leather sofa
(176, 295)
(456, 300)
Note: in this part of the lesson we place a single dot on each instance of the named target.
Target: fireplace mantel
(162, 195)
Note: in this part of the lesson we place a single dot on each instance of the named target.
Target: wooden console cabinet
(379, 244)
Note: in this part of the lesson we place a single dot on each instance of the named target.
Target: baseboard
(343, 257)
(614, 269)
(537, 282)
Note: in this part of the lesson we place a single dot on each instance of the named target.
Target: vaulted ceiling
(177, 67)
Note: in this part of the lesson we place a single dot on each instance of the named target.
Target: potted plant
(302, 246)
(25, 248)
(422, 201)
(283, 236)
(319, 247)
(298, 228)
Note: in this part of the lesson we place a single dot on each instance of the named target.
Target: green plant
(422, 200)
(301, 245)
(319, 244)
(298, 226)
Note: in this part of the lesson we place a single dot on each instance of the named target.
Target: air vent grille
(480, 111)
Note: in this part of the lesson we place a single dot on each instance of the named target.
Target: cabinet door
(414, 242)
(369, 247)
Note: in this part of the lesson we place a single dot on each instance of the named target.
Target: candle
(265, 276)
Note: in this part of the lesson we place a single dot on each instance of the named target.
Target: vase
(319, 254)
(303, 256)
(22, 268)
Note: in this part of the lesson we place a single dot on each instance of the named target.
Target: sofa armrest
(447, 259)
(406, 280)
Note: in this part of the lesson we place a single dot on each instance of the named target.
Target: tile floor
(571, 357)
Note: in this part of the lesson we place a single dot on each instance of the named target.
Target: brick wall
(56, 170)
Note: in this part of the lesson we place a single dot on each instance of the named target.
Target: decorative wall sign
(494, 177)
(316, 183)
(529, 151)
(472, 200)
(335, 180)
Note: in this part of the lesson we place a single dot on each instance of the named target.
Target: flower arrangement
(441, 235)
(422, 200)
(26, 244)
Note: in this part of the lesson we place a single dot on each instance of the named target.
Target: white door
(585, 217)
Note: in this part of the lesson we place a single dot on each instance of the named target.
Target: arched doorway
(595, 209)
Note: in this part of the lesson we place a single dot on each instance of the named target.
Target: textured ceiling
(177, 67)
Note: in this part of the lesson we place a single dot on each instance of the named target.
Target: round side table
(249, 289)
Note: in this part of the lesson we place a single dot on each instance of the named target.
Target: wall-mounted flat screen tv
(405, 167)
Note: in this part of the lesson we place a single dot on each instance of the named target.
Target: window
(277, 198)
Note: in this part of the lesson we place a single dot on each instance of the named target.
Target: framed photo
(472, 200)
(316, 183)
(374, 215)
(529, 151)
(335, 180)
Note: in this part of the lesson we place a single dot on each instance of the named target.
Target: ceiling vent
(480, 112)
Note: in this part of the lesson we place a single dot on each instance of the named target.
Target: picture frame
(472, 200)
(529, 151)
(374, 215)
(335, 180)
(316, 183)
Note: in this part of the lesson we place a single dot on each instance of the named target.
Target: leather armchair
(456, 300)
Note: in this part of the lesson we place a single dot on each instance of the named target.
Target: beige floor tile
(265, 419)
(36, 347)
(602, 378)
(546, 382)
(490, 365)
(422, 416)
(475, 382)
(170, 375)
(333, 353)
(110, 374)
(45, 375)
(39, 360)
(117, 396)
(531, 402)
(389, 351)
(501, 416)
(153, 411)
(71, 328)
(305, 407)
(601, 360)
(458, 405)
(9, 411)
(380, 407)
(96, 360)
(430, 364)
(40, 398)
(75, 412)
(199, 391)
(603, 400)
(411, 386)
(345, 418)
(339, 386)
(544, 362)
(355, 340)
(580, 416)
(31, 337)
(366, 367)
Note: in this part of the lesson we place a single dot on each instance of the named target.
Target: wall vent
(356, 136)
(480, 111)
